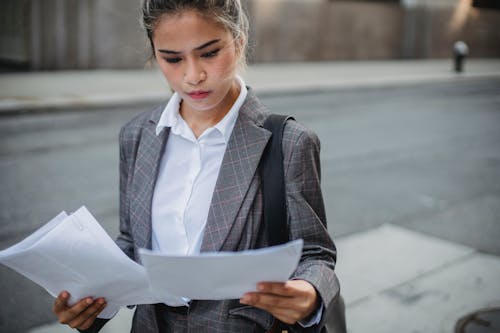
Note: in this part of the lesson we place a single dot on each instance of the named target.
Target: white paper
(74, 253)
(220, 275)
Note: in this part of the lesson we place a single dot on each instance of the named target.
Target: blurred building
(70, 34)
(358, 30)
(89, 34)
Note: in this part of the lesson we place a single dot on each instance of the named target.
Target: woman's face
(199, 59)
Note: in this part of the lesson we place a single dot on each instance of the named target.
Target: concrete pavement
(393, 279)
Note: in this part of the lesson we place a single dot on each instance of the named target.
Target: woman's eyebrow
(207, 44)
(201, 47)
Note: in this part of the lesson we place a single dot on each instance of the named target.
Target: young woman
(188, 180)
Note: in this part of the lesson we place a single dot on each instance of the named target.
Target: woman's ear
(240, 46)
(151, 60)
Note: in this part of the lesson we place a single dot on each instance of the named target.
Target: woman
(188, 180)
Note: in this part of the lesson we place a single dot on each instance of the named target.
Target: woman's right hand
(80, 315)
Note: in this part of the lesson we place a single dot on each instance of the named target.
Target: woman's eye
(210, 54)
(172, 60)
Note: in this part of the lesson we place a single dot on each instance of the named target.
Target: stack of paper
(74, 253)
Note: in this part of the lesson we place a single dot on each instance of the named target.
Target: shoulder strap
(273, 182)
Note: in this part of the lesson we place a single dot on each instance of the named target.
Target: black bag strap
(275, 213)
(273, 188)
(273, 182)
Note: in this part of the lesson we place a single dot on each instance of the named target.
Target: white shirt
(186, 178)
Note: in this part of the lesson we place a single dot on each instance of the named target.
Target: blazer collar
(154, 118)
(239, 165)
(148, 160)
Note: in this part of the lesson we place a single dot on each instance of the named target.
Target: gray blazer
(235, 215)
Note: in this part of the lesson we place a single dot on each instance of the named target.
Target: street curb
(20, 106)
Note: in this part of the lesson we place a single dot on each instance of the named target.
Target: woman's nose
(194, 73)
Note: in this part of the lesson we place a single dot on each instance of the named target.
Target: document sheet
(220, 275)
(73, 253)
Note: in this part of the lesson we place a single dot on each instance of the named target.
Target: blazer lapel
(240, 162)
(148, 160)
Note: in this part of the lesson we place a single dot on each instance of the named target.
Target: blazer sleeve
(306, 213)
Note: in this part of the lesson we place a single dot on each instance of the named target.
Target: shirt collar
(171, 117)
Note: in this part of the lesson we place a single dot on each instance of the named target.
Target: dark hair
(227, 13)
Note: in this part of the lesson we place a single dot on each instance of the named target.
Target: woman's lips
(199, 94)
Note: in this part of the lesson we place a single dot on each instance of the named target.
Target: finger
(293, 308)
(90, 312)
(71, 313)
(278, 288)
(268, 301)
(286, 315)
(86, 324)
(288, 288)
(82, 316)
(60, 302)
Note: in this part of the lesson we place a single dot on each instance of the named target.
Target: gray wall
(295, 30)
(72, 34)
(87, 34)
(357, 30)
(14, 32)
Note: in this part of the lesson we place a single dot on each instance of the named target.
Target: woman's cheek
(171, 75)
(226, 66)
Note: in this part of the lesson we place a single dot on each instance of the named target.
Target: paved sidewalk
(41, 91)
(394, 281)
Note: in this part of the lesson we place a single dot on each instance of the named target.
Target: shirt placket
(194, 171)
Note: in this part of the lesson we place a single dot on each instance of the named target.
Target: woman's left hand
(289, 302)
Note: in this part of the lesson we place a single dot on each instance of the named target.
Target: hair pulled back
(228, 13)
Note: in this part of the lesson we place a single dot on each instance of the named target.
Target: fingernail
(245, 299)
(260, 287)
(88, 301)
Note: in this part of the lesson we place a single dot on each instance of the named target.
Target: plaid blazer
(235, 215)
